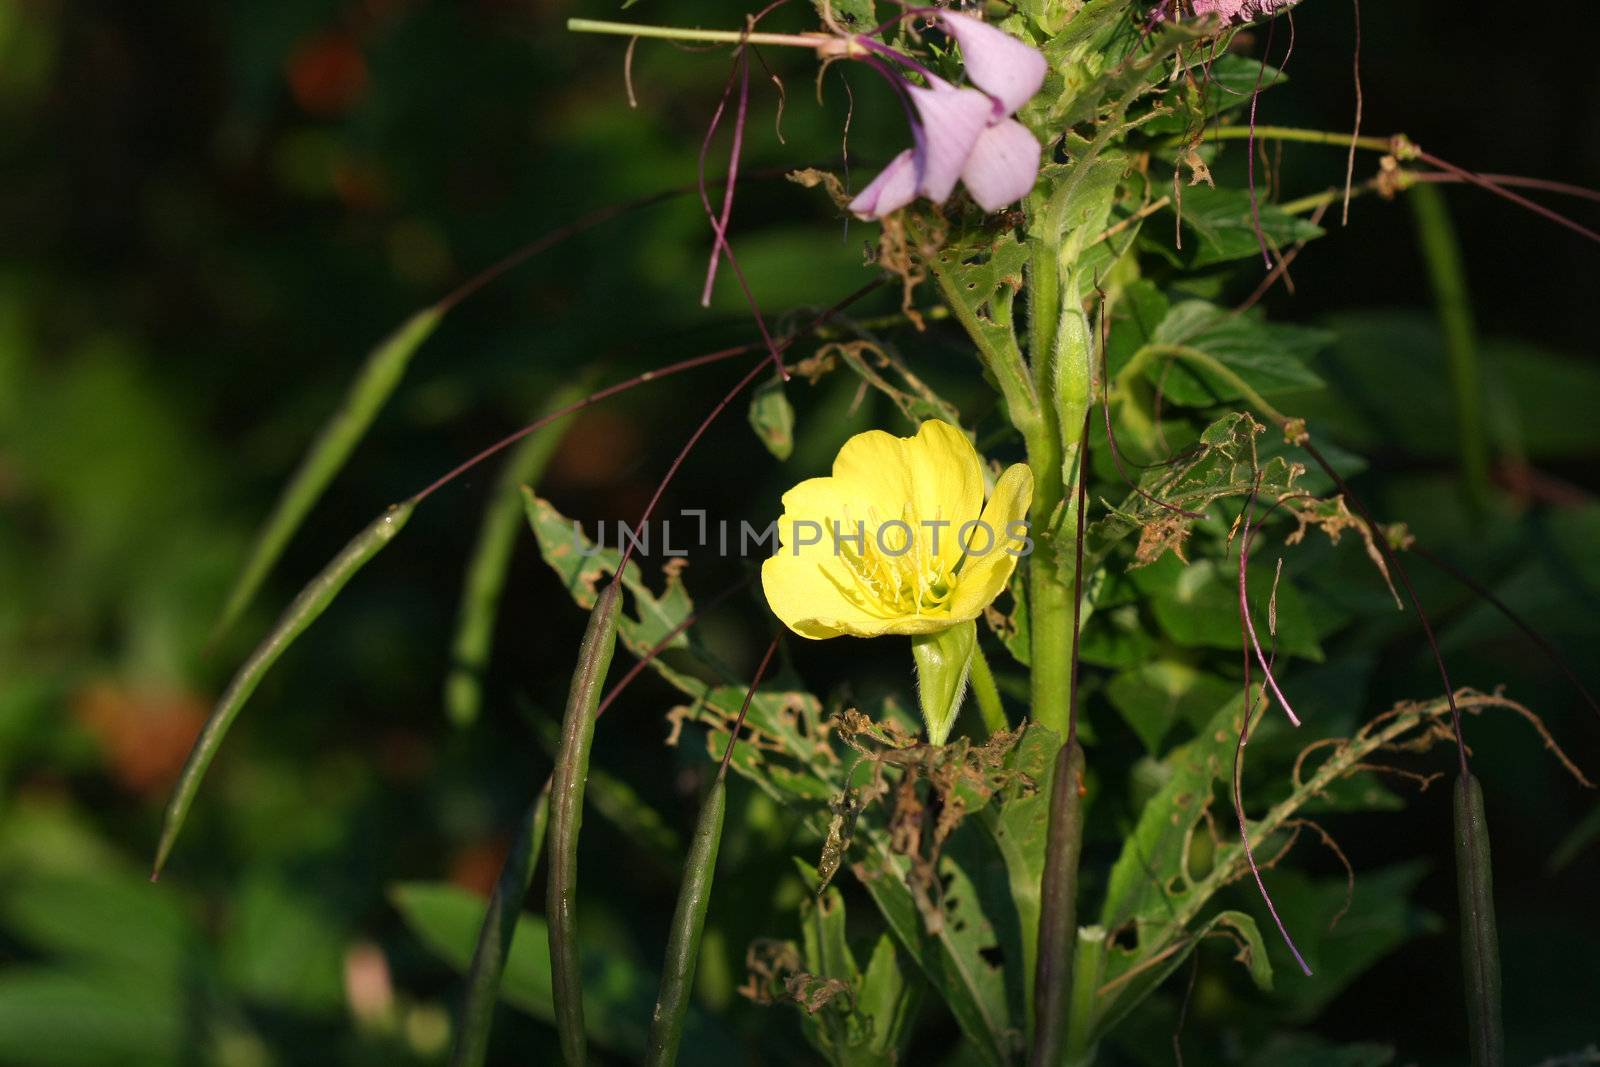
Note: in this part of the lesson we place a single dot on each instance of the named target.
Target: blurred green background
(210, 211)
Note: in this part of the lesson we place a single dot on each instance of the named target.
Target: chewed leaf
(583, 567)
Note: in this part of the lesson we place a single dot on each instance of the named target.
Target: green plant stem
(1004, 362)
(1295, 133)
(987, 694)
(566, 820)
(1441, 252)
(679, 33)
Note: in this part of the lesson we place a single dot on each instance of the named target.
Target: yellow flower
(898, 539)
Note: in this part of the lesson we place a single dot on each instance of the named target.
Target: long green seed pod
(1480, 943)
(1058, 910)
(566, 819)
(688, 924)
(301, 613)
(366, 396)
(494, 938)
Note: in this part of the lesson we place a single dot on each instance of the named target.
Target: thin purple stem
(744, 708)
(1250, 149)
(1244, 613)
(1484, 182)
(705, 424)
(578, 405)
(661, 646)
(1238, 781)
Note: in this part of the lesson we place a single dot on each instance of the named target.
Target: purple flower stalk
(965, 135)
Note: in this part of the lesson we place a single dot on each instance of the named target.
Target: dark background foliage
(211, 210)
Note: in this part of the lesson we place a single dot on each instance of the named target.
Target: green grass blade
(495, 937)
(566, 819)
(301, 613)
(688, 924)
(1058, 911)
(1480, 941)
(486, 571)
(372, 387)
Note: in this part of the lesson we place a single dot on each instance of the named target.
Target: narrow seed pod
(494, 938)
(370, 390)
(688, 924)
(1058, 911)
(566, 819)
(1480, 943)
(312, 601)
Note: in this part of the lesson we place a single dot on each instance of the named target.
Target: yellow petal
(985, 573)
(806, 602)
(946, 483)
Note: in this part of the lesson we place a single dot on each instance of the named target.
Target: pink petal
(893, 188)
(1227, 10)
(952, 120)
(1007, 69)
(1003, 166)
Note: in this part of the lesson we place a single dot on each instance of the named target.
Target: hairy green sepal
(944, 659)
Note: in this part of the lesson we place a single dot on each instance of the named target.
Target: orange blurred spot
(597, 451)
(327, 74)
(477, 867)
(145, 735)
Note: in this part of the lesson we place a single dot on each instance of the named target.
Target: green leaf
(1223, 84)
(1134, 978)
(791, 718)
(1304, 1050)
(618, 994)
(772, 418)
(1380, 919)
(1198, 606)
(952, 957)
(1221, 227)
(1270, 357)
(1155, 695)
(1020, 825)
(891, 993)
(372, 387)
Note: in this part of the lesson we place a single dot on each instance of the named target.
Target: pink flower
(962, 134)
(1239, 10)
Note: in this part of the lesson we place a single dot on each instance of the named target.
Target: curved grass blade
(372, 387)
(688, 924)
(1480, 941)
(301, 613)
(494, 937)
(566, 819)
(486, 572)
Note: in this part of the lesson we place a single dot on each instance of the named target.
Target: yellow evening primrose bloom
(898, 539)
